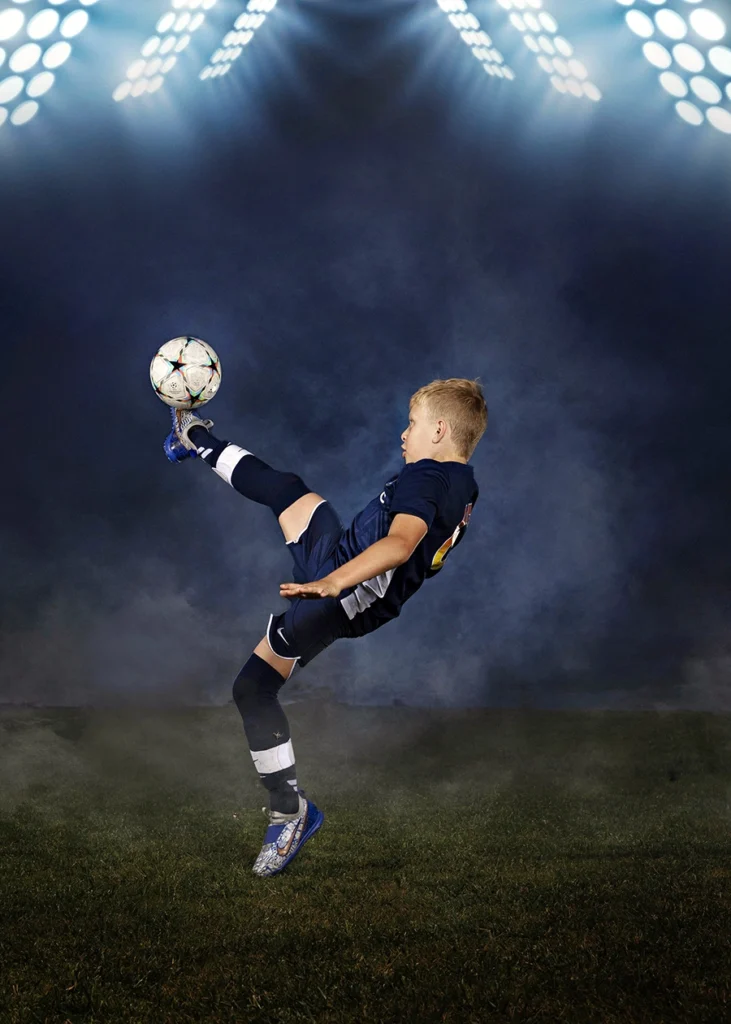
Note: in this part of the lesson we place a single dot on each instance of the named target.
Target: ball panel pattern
(185, 373)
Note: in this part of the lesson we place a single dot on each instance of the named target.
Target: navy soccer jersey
(443, 494)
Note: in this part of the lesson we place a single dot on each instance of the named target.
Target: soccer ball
(185, 373)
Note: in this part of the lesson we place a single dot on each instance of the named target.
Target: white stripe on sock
(228, 460)
(274, 759)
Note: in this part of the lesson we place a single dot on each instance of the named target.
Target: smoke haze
(351, 251)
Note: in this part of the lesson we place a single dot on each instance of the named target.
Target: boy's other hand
(326, 587)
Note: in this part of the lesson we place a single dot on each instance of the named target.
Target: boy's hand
(325, 587)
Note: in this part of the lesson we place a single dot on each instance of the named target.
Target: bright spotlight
(25, 57)
(42, 24)
(591, 91)
(657, 54)
(56, 55)
(688, 57)
(151, 46)
(24, 112)
(706, 90)
(11, 22)
(673, 84)
(122, 92)
(720, 119)
(708, 24)
(74, 23)
(640, 24)
(671, 24)
(10, 88)
(40, 84)
(720, 57)
(689, 113)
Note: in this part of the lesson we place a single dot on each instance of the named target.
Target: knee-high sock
(267, 730)
(248, 474)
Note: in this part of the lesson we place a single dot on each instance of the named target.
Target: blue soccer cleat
(177, 446)
(286, 835)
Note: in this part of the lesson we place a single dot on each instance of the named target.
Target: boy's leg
(285, 493)
(265, 724)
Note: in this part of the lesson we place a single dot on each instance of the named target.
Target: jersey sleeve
(420, 491)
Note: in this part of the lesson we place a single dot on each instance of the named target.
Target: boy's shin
(267, 731)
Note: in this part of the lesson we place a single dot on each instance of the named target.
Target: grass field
(473, 866)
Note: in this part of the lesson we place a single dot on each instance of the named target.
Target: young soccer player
(346, 582)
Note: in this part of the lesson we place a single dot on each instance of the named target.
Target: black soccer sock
(267, 731)
(248, 474)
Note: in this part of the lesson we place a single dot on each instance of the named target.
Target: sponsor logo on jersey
(451, 542)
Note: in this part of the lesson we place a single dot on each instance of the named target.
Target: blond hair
(462, 404)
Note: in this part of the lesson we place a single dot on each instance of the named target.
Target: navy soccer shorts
(310, 625)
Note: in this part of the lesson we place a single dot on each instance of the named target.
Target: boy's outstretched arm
(389, 552)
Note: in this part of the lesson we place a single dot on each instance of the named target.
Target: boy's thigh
(305, 629)
(295, 519)
(314, 550)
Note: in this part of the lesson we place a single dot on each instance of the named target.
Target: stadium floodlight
(700, 24)
(57, 54)
(245, 27)
(476, 38)
(671, 24)
(25, 57)
(11, 88)
(173, 31)
(708, 24)
(73, 24)
(40, 84)
(527, 16)
(11, 22)
(46, 29)
(720, 118)
(43, 24)
(720, 58)
(640, 23)
(689, 112)
(24, 112)
(689, 57)
(673, 84)
(706, 90)
(657, 54)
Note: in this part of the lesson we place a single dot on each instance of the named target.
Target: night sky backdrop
(359, 211)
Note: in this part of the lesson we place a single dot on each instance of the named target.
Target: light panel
(476, 38)
(34, 44)
(244, 28)
(158, 54)
(529, 18)
(696, 74)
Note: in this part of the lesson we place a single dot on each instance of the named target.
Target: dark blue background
(361, 210)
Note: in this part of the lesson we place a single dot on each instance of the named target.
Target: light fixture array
(244, 29)
(32, 47)
(554, 53)
(159, 54)
(689, 45)
(474, 36)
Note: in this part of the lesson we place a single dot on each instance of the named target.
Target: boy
(347, 582)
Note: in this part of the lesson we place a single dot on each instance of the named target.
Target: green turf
(473, 867)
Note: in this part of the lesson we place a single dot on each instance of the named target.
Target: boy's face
(418, 435)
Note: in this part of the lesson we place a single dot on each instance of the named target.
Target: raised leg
(294, 519)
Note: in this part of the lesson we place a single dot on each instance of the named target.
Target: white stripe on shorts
(307, 526)
(228, 460)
